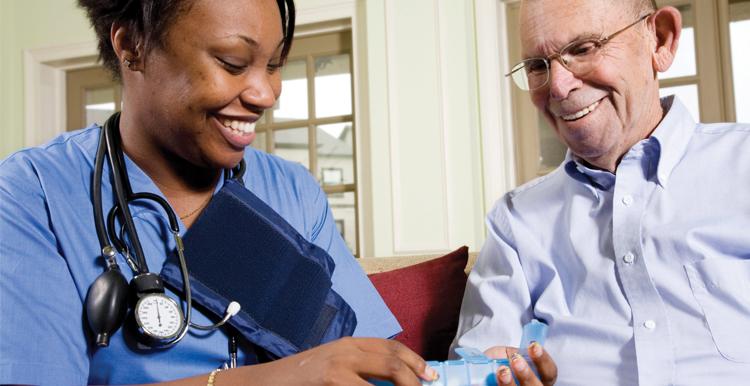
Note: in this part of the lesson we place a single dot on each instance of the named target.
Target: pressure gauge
(159, 316)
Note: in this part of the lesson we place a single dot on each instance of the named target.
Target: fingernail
(535, 349)
(518, 363)
(503, 373)
(431, 374)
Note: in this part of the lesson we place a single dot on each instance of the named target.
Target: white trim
(345, 9)
(44, 87)
(393, 112)
(442, 80)
(495, 113)
(400, 246)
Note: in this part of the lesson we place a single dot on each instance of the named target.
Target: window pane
(551, 150)
(292, 104)
(684, 62)
(342, 206)
(292, 144)
(260, 141)
(100, 104)
(688, 95)
(739, 32)
(335, 154)
(333, 86)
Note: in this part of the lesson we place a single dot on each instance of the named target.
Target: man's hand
(544, 364)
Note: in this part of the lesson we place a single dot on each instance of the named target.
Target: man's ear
(667, 26)
(127, 47)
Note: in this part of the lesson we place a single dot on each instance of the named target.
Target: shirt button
(627, 200)
(649, 324)
(628, 258)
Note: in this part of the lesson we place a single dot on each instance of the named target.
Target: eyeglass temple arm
(640, 19)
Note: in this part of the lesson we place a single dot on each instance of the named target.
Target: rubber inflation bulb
(106, 305)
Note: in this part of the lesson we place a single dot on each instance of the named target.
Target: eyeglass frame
(601, 42)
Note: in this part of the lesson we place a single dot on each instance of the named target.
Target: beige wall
(419, 140)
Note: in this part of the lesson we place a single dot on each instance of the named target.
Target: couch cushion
(426, 300)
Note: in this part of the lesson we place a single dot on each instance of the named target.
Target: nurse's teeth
(240, 127)
(581, 113)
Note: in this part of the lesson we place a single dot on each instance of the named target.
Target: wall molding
(400, 243)
(495, 112)
(443, 107)
(44, 87)
(344, 9)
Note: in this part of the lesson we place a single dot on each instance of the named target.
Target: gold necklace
(203, 205)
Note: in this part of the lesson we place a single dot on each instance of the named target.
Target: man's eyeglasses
(579, 57)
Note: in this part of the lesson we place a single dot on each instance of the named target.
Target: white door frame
(44, 87)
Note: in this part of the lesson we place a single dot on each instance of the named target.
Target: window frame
(307, 48)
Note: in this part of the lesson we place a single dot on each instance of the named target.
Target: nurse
(196, 77)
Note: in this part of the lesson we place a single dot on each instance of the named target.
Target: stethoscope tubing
(109, 147)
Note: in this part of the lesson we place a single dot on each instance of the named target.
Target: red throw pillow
(426, 300)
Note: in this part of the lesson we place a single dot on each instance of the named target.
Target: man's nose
(561, 80)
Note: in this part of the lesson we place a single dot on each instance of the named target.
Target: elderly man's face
(601, 114)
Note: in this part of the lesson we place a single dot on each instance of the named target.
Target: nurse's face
(204, 88)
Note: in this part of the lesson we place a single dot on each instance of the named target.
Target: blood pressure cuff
(241, 250)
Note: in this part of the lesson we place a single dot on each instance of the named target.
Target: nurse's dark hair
(150, 20)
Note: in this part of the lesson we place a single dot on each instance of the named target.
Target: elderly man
(636, 250)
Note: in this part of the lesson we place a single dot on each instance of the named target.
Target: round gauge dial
(159, 316)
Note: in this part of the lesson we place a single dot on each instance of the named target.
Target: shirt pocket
(720, 286)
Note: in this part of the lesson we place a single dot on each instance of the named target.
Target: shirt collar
(671, 138)
(577, 169)
(672, 135)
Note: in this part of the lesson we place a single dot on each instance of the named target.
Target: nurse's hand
(349, 361)
(544, 364)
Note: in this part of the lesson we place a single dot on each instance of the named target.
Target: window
(739, 35)
(313, 122)
(709, 75)
(682, 78)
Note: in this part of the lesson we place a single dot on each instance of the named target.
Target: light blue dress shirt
(49, 256)
(643, 276)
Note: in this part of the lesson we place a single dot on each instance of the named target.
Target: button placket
(645, 302)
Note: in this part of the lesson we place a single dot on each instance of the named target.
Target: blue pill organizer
(476, 369)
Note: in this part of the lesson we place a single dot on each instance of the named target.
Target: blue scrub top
(49, 256)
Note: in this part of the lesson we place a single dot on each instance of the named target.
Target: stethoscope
(159, 318)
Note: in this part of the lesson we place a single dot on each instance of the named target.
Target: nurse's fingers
(397, 349)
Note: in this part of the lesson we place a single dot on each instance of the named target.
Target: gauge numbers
(158, 316)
